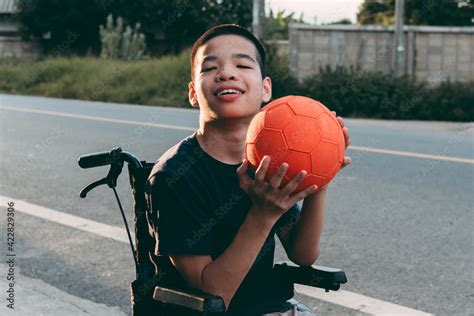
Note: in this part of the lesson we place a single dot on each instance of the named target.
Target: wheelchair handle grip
(100, 158)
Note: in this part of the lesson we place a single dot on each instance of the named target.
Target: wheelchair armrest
(189, 298)
(315, 276)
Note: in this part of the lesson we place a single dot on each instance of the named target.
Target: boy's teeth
(229, 91)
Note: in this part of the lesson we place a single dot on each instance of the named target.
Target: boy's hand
(345, 131)
(271, 201)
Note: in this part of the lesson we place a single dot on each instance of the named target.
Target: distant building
(11, 45)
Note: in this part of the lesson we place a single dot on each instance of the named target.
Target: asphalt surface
(400, 227)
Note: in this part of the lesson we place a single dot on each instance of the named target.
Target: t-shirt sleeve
(179, 217)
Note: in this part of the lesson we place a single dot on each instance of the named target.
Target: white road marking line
(97, 118)
(87, 225)
(344, 298)
(186, 128)
(359, 302)
(411, 154)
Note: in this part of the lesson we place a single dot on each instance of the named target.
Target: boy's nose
(224, 74)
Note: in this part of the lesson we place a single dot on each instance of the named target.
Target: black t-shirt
(197, 207)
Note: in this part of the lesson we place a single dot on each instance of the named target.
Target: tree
(168, 25)
(341, 21)
(376, 12)
(276, 26)
(62, 26)
(418, 12)
(176, 24)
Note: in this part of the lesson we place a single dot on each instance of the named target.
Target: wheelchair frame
(148, 296)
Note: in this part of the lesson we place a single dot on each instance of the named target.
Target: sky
(319, 11)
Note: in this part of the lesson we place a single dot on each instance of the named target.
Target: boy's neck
(224, 141)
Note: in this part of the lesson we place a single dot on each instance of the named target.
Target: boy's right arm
(224, 275)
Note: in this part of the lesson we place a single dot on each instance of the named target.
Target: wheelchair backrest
(152, 270)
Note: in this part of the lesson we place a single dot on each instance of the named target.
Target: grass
(152, 82)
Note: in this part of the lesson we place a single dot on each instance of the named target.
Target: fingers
(339, 119)
(345, 130)
(293, 184)
(242, 169)
(302, 194)
(244, 179)
(347, 161)
(262, 170)
(347, 138)
(275, 181)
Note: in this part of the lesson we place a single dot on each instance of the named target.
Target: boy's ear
(192, 97)
(267, 89)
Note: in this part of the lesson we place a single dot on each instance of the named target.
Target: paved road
(401, 227)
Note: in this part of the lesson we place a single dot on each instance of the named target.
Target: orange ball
(301, 132)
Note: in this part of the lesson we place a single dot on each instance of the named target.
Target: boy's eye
(243, 66)
(207, 69)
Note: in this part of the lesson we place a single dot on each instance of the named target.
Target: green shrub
(154, 82)
(354, 93)
(451, 101)
(360, 94)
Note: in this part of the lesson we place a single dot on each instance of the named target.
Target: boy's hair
(230, 29)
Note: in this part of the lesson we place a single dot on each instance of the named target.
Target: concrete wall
(431, 53)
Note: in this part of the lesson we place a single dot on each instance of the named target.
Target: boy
(214, 219)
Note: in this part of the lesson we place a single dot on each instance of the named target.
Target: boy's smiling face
(228, 81)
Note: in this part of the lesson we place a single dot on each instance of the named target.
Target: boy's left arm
(301, 241)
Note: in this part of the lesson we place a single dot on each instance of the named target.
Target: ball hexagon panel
(324, 158)
(329, 127)
(252, 155)
(333, 172)
(302, 134)
(306, 107)
(311, 179)
(342, 148)
(277, 102)
(297, 161)
(278, 116)
(256, 126)
(271, 142)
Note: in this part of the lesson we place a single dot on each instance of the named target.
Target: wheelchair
(158, 288)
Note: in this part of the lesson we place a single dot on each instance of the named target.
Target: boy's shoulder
(184, 155)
